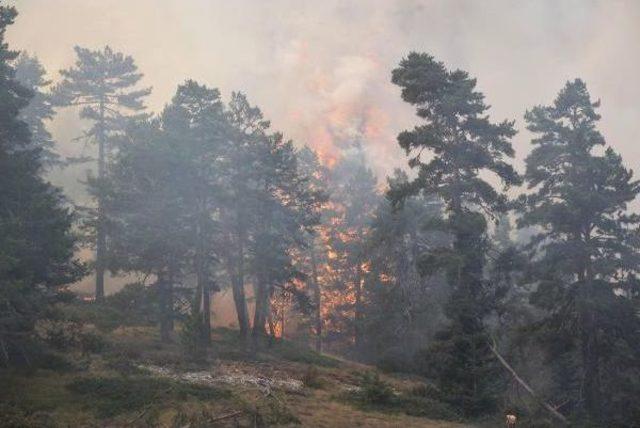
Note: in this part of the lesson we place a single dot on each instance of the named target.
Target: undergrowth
(110, 396)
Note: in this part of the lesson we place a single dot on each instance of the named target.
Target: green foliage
(192, 337)
(585, 259)
(464, 145)
(290, 351)
(133, 304)
(376, 394)
(102, 83)
(68, 335)
(32, 75)
(375, 390)
(110, 396)
(15, 417)
(312, 378)
(36, 242)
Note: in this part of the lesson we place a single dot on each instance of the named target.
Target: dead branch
(227, 416)
(527, 388)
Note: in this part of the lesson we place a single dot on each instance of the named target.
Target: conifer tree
(317, 176)
(36, 242)
(248, 131)
(32, 75)
(163, 197)
(102, 84)
(585, 253)
(288, 211)
(463, 143)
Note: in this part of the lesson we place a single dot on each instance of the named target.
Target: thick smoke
(320, 70)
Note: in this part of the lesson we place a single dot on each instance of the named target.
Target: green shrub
(426, 390)
(426, 407)
(421, 401)
(311, 378)
(13, 417)
(375, 390)
(290, 351)
(136, 303)
(110, 396)
(192, 338)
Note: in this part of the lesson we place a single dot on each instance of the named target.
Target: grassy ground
(111, 389)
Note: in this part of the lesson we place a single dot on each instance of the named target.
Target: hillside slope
(135, 381)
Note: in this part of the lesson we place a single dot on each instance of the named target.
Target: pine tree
(463, 143)
(102, 84)
(198, 129)
(585, 253)
(317, 176)
(144, 206)
(248, 130)
(32, 75)
(36, 243)
(163, 197)
(288, 211)
(402, 308)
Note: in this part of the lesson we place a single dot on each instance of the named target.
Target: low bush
(376, 394)
(192, 338)
(375, 390)
(15, 417)
(311, 378)
(110, 396)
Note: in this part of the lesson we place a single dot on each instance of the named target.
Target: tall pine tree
(585, 253)
(36, 242)
(102, 84)
(464, 145)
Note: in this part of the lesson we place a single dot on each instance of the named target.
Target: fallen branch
(228, 416)
(527, 388)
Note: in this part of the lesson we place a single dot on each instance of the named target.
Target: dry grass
(318, 406)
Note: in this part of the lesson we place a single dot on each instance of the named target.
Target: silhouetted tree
(36, 242)
(32, 75)
(102, 85)
(585, 252)
(463, 143)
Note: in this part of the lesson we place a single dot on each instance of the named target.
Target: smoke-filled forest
(323, 214)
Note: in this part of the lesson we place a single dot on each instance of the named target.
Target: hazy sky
(320, 69)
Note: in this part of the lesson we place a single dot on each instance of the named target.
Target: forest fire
(295, 190)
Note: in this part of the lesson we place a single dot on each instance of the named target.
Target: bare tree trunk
(272, 325)
(358, 309)
(206, 312)
(260, 314)
(163, 294)
(237, 283)
(317, 294)
(100, 231)
(202, 281)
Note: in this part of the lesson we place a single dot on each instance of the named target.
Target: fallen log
(227, 416)
(527, 388)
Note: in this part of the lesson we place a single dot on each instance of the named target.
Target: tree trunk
(202, 286)
(591, 364)
(237, 283)
(165, 317)
(100, 232)
(260, 314)
(206, 312)
(357, 318)
(317, 294)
